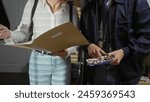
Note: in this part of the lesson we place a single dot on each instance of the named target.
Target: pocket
(125, 23)
(124, 20)
(124, 26)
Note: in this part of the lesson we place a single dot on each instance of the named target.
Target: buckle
(43, 52)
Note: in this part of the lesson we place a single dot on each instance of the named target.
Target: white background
(7, 93)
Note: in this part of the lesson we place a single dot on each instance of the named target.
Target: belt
(44, 52)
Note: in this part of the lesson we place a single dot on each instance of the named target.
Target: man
(119, 28)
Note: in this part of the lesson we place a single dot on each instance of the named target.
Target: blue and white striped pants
(48, 69)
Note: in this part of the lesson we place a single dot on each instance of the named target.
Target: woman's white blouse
(43, 20)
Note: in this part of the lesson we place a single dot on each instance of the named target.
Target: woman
(44, 68)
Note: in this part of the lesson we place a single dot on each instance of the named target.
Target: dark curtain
(3, 17)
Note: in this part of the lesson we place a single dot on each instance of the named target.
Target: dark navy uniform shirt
(128, 29)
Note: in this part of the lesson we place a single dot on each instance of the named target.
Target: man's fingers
(92, 54)
(116, 62)
(98, 54)
(94, 51)
(103, 52)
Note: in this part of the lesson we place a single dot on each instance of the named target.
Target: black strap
(105, 19)
(33, 11)
(98, 6)
(32, 14)
(104, 22)
(70, 10)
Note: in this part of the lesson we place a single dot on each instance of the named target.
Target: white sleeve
(22, 33)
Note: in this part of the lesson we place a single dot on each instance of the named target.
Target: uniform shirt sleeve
(140, 37)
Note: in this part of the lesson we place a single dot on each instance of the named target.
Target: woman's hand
(63, 54)
(4, 32)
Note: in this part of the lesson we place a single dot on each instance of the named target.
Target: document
(56, 39)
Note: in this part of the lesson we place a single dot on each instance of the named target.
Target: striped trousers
(49, 69)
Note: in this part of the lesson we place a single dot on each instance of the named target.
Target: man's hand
(118, 55)
(63, 54)
(4, 32)
(94, 51)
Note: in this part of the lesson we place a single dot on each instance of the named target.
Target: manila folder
(56, 39)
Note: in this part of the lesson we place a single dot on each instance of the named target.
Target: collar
(44, 2)
(63, 6)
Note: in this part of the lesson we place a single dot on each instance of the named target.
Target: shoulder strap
(70, 10)
(33, 9)
(32, 14)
